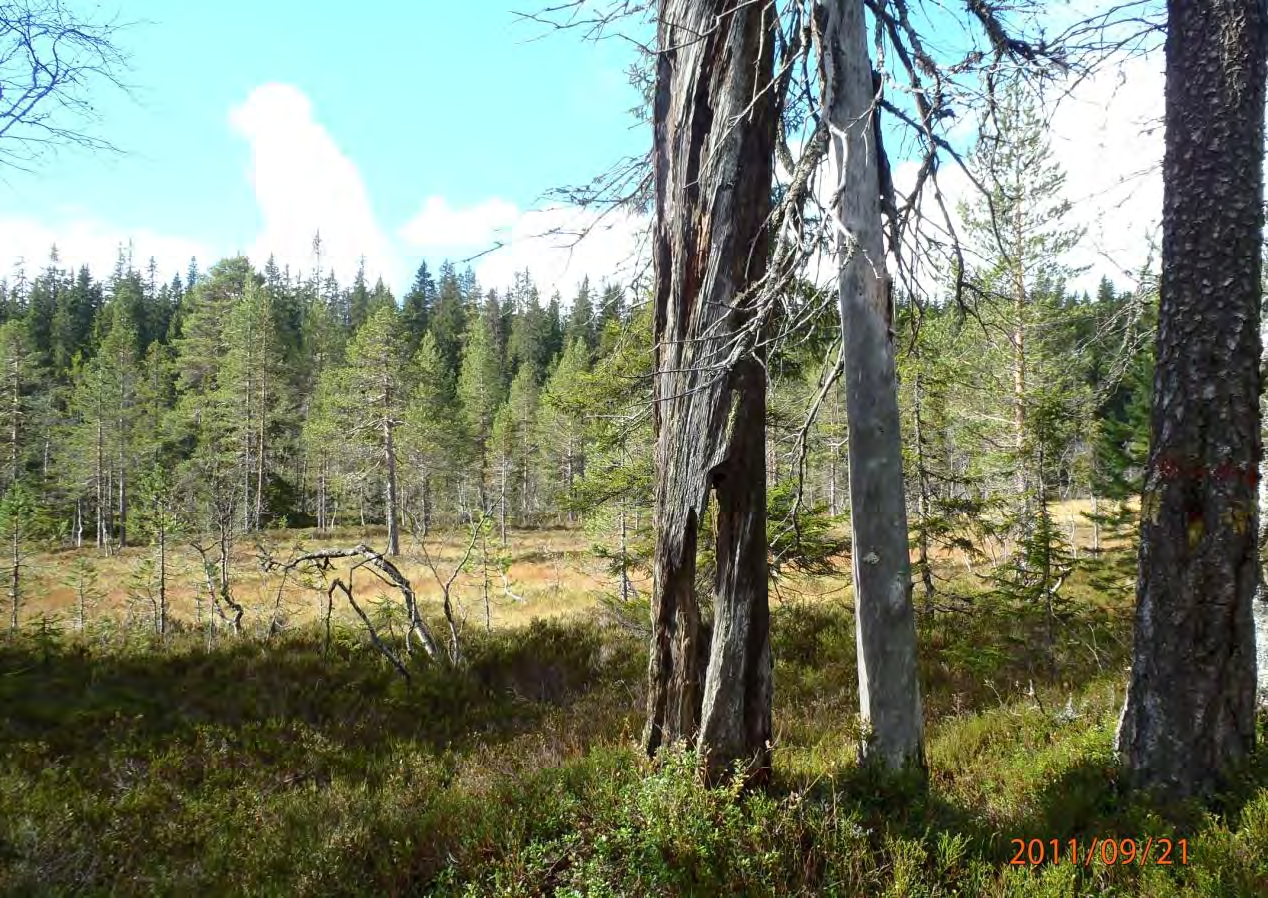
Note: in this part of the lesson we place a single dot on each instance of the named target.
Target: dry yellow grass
(551, 574)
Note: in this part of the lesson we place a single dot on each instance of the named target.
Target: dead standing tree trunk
(715, 122)
(1190, 709)
(889, 690)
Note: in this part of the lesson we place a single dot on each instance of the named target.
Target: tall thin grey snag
(889, 688)
(715, 122)
(1190, 709)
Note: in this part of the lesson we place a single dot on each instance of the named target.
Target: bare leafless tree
(52, 58)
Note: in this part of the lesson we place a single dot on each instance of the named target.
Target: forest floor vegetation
(297, 766)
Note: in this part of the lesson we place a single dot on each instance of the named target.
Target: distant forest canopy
(241, 399)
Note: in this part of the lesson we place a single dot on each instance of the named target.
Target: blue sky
(447, 120)
(431, 130)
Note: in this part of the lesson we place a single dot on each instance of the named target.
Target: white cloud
(439, 224)
(1107, 136)
(87, 241)
(558, 245)
(304, 184)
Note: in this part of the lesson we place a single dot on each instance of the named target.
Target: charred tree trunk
(889, 690)
(715, 123)
(1190, 709)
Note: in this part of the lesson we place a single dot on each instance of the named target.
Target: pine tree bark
(1190, 709)
(889, 689)
(1261, 592)
(715, 124)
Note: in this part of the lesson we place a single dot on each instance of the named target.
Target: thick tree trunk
(715, 126)
(1190, 709)
(889, 689)
(1261, 591)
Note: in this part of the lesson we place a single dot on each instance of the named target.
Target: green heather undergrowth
(290, 768)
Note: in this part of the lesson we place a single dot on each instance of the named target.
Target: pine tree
(433, 438)
(20, 377)
(251, 388)
(23, 526)
(203, 423)
(563, 426)
(117, 375)
(1022, 235)
(515, 443)
(376, 384)
(380, 298)
(480, 391)
(159, 522)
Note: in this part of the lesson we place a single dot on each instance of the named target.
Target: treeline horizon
(234, 400)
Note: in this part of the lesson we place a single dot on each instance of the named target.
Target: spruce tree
(418, 306)
(582, 323)
(449, 320)
(359, 297)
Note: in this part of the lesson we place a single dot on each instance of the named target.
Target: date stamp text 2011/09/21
(1151, 850)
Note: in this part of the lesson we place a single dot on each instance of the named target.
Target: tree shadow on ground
(71, 701)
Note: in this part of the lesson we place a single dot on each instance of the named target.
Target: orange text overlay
(1151, 850)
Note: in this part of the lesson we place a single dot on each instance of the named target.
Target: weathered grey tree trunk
(715, 124)
(123, 487)
(162, 574)
(390, 510)
(1190, 709)
(261, 436)
(99, 483)
(889, 689)
(15, 570)
(923, 495)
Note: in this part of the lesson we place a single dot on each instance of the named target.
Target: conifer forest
(869, 530)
